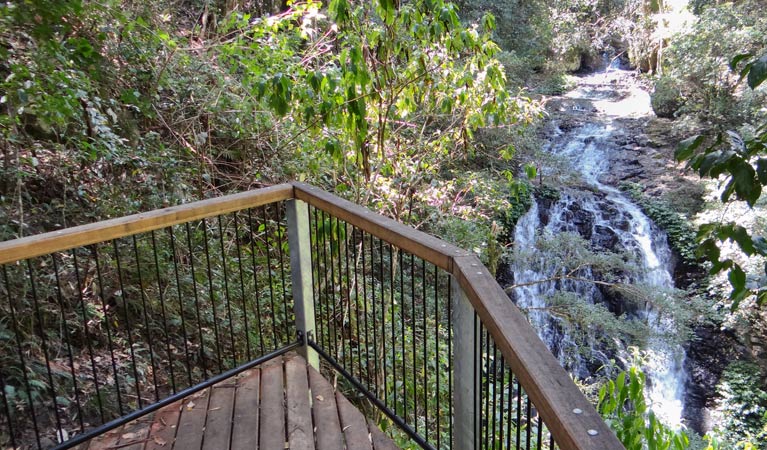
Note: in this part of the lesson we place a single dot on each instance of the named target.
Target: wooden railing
(503, 387)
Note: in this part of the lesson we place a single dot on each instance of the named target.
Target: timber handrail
(570, 417)
(93, 233)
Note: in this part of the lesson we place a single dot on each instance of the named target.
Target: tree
(741, 163)
(386, 93)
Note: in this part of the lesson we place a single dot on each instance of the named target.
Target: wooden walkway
(283, 404)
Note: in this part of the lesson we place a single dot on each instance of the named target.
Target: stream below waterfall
(600, 213)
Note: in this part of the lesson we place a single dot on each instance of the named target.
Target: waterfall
(604, 216)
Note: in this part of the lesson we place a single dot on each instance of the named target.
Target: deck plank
(281, 404)
(300, 434)
(272, 412)
(192, 422)
(162, 433)
(354, 425)
(326, 422)
(380, 440)
(245, 422)
(135, 434)
(218, 426)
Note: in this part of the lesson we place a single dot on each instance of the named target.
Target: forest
(605, 159)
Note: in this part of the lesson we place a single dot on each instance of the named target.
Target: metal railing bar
(187, 357)
(280, 243)
(163, 316)
(8, 417)
(94, 233)
(84, 316)
(126, 316)
(212, 295)
(256, 295)
(147, 328)
(44, 343)
(15, 326)
(422, 245)
(70, 355)
(190, 249)
(227, 298)
(176, 397)
(373, 398)
(243, 303)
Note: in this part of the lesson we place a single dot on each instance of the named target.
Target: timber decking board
(327, 425)
(300, 435)
(272, 413)
(278, 405)
(354, 425)
(245, 420)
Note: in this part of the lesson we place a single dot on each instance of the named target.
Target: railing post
(466, 370)
(299, 241)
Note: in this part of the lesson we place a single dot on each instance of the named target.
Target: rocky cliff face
(641, 151)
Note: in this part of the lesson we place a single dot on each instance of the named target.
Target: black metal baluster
(413, 340)
(341, 293)
(23, 363)
(485, 355)
(359, 253)
(181, 312)
(227, 297)
(509, 408)
(330, 305)
(477, 383)
(528, 426)
(384, 353)
(364, 307)
(519, 413)
(424, 355)
(316, 278)
(87, 335)
(540, 433)
(402, 327)
(196, 300)
(256, 295)
(502, 416)
(280, 244)
(100, 280)
(44, 344)
(6, 406)
(494, 373)
(163, 315)
(438, 366)
(248, 356)
(275, 343)
(392, 283)
(212, 295)
(349, 308)
(450, 355)
(147, 328)
(126, 316)
(70, 355)
(371, 251)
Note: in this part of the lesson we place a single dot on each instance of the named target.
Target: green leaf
(737, 59)
(687, 147)
(761, 170)
(737, 278)
(531, 171)
(758, 72)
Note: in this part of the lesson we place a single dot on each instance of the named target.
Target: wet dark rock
(708, 355)
(606, 238)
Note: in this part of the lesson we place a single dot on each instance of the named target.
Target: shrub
(666, 98)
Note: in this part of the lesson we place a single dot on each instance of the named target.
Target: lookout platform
(281, 404)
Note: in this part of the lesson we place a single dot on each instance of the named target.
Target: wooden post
(301, 274)
(466, 370)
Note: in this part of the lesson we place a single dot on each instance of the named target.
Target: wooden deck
(283, 404)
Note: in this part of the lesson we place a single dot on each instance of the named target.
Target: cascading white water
(603, 215)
